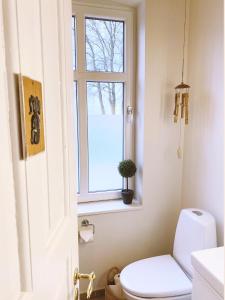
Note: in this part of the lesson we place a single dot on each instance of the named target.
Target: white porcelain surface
(132, 297)
(209, 264)
(157, 277)
(165, 277)
(196, 230)
(202, 290)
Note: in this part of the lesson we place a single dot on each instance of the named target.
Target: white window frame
(81, 76)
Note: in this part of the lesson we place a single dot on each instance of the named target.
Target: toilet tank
(196, 230)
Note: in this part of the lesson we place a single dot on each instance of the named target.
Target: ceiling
(129, 2)
(122, 2)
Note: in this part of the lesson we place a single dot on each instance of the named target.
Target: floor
(96, 295)
(98, 298)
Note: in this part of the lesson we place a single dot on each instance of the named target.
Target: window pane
(104, 45)
(78, 137)
(74, 42)
(105, 135)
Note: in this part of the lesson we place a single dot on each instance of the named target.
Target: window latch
(130, 113)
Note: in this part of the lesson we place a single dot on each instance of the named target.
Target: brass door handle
(76, 293)
(91, 277)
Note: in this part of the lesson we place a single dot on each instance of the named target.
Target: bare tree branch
(104, 52)
(99, 87)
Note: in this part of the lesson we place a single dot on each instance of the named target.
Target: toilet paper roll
(117, 279)
(86, 234)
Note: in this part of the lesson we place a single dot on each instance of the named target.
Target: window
(103, 75)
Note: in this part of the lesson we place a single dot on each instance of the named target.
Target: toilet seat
(155, 277)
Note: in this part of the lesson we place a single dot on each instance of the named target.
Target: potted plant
(127, 168)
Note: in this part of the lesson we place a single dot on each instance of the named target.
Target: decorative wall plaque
(32, 116)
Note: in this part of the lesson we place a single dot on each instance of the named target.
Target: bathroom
(178, 165)
(165, 183)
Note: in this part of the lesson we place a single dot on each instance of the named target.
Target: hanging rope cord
(179, 150)
(184, 42)
(179, 153)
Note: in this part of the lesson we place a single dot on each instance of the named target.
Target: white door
(38, 45)
(9, 270)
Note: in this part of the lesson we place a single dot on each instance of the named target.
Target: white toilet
(169, 277)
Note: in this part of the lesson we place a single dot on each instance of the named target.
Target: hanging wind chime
(182, 89)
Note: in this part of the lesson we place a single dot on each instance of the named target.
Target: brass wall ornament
(31, 116)
(35, 110)
(182, 89)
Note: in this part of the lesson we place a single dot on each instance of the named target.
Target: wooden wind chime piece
(176, 109)
(181, 100)
(185, 98)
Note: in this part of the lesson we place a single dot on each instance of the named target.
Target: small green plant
(127, 168)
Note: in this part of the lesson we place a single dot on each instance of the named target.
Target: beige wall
(203, 182)
(124, 237)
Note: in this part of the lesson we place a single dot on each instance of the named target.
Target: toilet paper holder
(85, 223)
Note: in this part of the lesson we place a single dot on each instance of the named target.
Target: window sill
(105, 207)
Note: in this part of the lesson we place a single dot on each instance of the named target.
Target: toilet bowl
(169, 277)
(131, 297)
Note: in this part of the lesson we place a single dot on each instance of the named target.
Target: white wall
(124, 237)
(203, 181)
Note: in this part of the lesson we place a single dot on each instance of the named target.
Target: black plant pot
(127, 196)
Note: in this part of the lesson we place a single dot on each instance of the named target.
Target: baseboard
(95, 294)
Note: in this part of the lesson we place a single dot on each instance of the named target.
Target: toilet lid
(155, 277)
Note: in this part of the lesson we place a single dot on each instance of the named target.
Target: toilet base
(132, 297)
